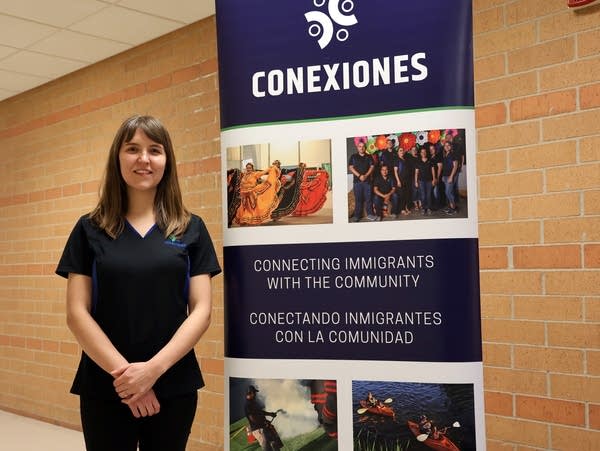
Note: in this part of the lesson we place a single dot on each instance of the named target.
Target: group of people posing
(421, 179)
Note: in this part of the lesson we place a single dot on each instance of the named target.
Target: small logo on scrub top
(173, 241)
(322, 25)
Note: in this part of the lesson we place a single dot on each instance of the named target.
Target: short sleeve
(203, 258)
(77, 256)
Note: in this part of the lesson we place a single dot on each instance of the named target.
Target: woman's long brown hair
(171, 215)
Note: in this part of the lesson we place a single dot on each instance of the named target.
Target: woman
(139, 270)
(259, 198)
(424, 179)
(412, 157)
(449, 174)
(402, 174)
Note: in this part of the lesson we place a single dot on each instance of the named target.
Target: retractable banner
(350, 230)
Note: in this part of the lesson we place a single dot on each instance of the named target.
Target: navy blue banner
(308, 59)
(397, 300)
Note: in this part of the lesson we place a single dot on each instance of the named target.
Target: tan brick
(588, 43)
(515, 381)
(572, 178)
(517, 430)
(508, 136)
(573, 282)
(504, 40)
(534, 257)
(490, 67)
(573, 125)
(513, 331)
(496, 306)
(566, 23)
(551, 410)
(549, 308)
(507, 282)
(558, 360)
(513, 184)
(491, 162)
(493, 258)
(496, 354)
(545, 54)
(589, 149)
(589, 96)
(494, 445)
(593, 362)
(500, 89)
(577, 388)
(543, 105)
(578, 335)
(526, 10)
(591, 202)
(594, 416)
(488, 20)
(479, 5)
(498, 403)
(569, 74)
(572, 230)
(591, 253)
(493, 114)
(542, 155)
(522, 232)
(494, 209)
(592, 309)
(545, 206)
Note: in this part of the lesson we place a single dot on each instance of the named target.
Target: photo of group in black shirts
(408, 175)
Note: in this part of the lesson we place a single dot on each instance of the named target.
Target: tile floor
(25, 434)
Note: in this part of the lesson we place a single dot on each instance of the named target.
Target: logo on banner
(322, 24)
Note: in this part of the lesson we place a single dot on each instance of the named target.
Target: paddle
(423, 437)
(364, 409)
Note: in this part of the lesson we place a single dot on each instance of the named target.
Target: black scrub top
(139, 297)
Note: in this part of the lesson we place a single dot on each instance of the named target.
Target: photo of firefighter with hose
(274, 414)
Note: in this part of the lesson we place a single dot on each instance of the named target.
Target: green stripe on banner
(357, 116)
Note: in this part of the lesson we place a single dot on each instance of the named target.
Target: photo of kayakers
(407, 175)
(279, 183)
(271, 414)
(404, 416)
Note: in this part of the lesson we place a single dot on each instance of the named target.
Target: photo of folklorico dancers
(279, 184)
(271, 414)
(403, 416)
(407, 175)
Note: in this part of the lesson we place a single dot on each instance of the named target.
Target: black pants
(110, 426)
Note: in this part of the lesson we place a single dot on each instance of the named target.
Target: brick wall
(537, 67)
(53, 145)
(538, 118)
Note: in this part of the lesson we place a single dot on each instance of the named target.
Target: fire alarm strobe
(579, 3)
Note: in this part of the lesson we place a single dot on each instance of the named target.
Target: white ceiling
(41, 40)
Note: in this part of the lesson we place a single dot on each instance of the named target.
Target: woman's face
(142, 162)
(423, 152)
(249, 168)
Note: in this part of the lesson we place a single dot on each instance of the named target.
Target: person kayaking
(425, 425)
(372, 401)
